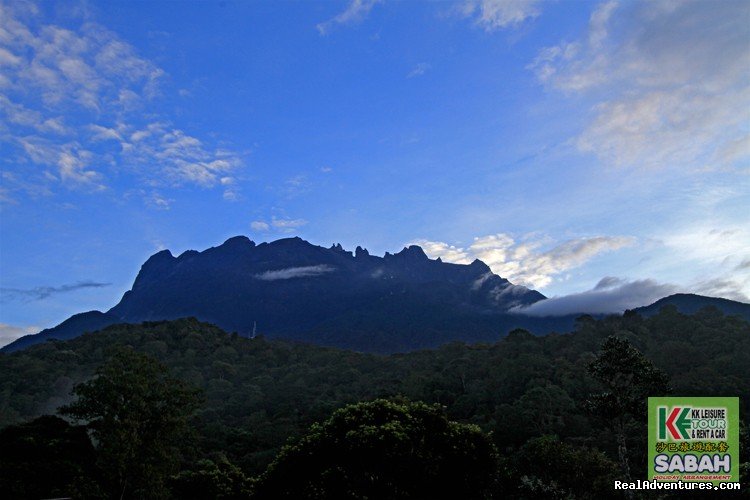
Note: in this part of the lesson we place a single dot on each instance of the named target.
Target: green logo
(677, 423)
(693, 439)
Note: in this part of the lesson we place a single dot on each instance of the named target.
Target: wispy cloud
(419, 70)
(529, 262)
(184, 159)
(727, 287)
(295, 272)
(446, 252)
(499, 14)
(43, 292)
(355, 12)
(610, 295)
(259, 225)
(667, 81)
(288, 224)
(101, 85)
(282, 225)
(296, 185)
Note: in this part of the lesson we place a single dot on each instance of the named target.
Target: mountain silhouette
(293, 289)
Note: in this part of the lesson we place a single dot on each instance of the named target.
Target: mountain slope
(291, 285)
(292, 289)
(74, 326)
(688, 303)
(260, 392)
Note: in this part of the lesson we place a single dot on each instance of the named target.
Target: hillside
(689, 303)
(260, 392)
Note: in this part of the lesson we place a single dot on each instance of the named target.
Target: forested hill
(689, 303)
(259, 393)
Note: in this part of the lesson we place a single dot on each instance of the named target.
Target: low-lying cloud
(610, 295)
(295, 272)
(43, 292)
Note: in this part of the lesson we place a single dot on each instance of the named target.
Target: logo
(677, 423)
(693, 439)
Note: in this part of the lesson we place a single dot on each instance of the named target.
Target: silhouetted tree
(384, 450)
(138, 416)
(547, 468)
(628, 379)
(218, 480)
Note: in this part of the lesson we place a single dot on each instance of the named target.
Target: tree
(384, 449)
(138, 416)
(628, 379)
(218, 480)
(547, 468)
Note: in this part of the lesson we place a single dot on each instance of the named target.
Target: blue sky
(596, 151)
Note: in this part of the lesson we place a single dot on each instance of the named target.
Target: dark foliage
(520, 390)
(385, 450)
(138, 417)
(47, 458)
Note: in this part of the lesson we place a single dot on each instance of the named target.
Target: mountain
(290, 285)
(70, 328)
(688, 303)
(295, 290)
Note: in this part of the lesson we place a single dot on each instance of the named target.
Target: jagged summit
(240, 241)
(290, 288)
(413, 252)
(293, 288)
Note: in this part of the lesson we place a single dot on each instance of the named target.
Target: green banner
(694, 439)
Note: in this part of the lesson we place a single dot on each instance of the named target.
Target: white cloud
(419, 70)
(259, 225)
(101, 85)
(710, 244)
(610, 295)
(718, 252)
(497, 14)
(100, 133)
(287, 224)
(295, 272)
(728, 288)
(283, 225)
(73, 164)
(354, 13)
(7, 58)
(157, 200)
(9, 333)
(526, 262)
(446, 252)
(669, 82)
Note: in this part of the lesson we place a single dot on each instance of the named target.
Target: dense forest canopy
(529, 395)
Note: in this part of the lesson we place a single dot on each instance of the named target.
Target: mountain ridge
(291, 288)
